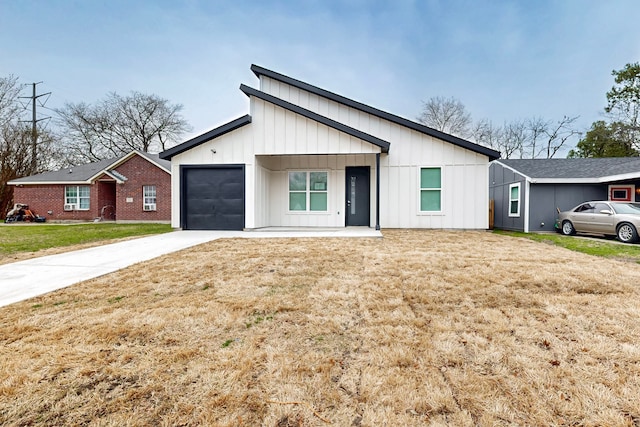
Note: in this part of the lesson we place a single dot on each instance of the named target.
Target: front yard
(20, 241)
(420, 327)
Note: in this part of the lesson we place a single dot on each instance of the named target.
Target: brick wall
(140, 172)
(44, 198)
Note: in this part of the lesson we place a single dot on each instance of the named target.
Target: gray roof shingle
(591, 168)
(83, 173)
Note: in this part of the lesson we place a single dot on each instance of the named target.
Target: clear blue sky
(503, 59)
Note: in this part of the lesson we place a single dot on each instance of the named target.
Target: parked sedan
(621, 219)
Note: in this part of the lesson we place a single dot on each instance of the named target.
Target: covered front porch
(316, 190)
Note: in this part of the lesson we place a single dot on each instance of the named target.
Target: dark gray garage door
(212, 197)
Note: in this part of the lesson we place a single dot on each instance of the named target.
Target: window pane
(318, 201)
(149, 192)
(430, 200)
(513, 207)
(297, 181)
(430, 178)
(318, 181)
(514, 193)
(71, 192)
(297, 201)
(84, 204)
(83, 191)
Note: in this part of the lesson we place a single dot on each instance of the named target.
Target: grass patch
(34, 237)
(586, 246)
(419, 328)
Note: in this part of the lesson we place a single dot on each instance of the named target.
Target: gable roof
(249, 91)
(207, 136)
(261, 71)
(85, 174)
(589, 170)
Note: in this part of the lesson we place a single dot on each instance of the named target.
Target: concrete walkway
(26, 279)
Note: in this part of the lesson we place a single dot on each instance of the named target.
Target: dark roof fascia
(492, 154)
(200, 139)
(249, 91)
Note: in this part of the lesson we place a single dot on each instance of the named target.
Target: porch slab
(313, 232)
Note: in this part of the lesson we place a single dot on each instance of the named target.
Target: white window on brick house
(76, 197)
(149, 198)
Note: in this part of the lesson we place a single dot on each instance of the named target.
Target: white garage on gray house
(307, 157)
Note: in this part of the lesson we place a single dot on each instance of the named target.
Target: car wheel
(627, 233)
(567, 228)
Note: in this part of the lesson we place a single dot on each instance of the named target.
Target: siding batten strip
(377, 191)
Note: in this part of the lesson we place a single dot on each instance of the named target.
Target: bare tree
(119, 124)
(531, 138)
(15, 140)
(515, 138)
(536, 129)
(9, 107)
(557, 134)
(15, 160)
(446, 115)
(484, 132)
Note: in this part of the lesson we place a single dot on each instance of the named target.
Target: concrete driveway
(26, 279)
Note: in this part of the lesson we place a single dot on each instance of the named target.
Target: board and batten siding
(464, 191)
(464, 172)
(278, 141)
(500, 180)
(281, 132)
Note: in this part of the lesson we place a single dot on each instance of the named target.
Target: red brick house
(133, 187)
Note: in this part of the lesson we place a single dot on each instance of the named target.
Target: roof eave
(49, 183)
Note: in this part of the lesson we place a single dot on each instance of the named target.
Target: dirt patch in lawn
(458, 328)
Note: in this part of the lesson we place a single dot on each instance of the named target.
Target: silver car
(621, 219)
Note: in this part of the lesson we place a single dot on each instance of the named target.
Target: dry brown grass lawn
(421, 327)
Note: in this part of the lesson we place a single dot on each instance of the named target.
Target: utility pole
(34, 125)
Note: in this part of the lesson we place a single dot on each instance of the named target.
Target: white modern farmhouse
(307, 157)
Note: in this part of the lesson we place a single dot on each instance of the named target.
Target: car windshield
(626, 208)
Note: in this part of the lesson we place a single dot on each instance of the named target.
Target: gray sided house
(526, 192)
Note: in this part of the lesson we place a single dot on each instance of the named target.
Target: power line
(34, 123)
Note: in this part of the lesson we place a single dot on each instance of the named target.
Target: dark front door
(213, 197)
(357, 196)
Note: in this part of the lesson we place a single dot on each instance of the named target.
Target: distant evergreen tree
(606, 140)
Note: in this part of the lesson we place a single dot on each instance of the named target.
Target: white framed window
(308, 191)
(514, 199)
(77, 197)
(149, 198)
(430, 189)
